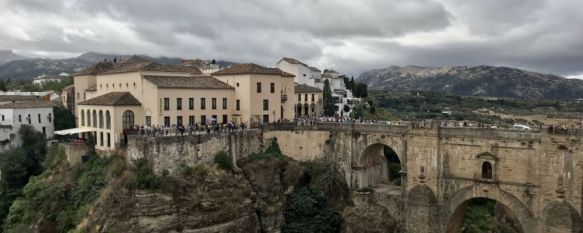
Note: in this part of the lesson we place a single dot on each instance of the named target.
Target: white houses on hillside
(38, 114)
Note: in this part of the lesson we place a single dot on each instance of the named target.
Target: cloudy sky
(350, 36)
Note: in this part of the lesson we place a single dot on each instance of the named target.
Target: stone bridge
(536, 176)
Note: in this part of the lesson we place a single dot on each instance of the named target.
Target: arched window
(100, 119)
(128, 119)
(89, 118)
(486, 170)
(82, 118)
(94, 119)
(107, 120)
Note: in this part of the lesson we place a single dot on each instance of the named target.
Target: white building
(312, 76)
(38, 114)
(305, 74)
(19, 96)
(40, 80)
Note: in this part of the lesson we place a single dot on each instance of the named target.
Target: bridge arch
(456, 205)
(560, 216)
(378, 164)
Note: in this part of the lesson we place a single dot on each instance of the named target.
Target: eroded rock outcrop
(210, 201)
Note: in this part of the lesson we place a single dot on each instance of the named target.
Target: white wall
(11, 117)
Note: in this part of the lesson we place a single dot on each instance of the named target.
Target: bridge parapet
(490, 133)
(323, 126)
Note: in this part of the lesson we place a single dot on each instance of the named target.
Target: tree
(352, 83)
(360, 90)
(63, 119)
(34, 147)
(329, 106)
(307, 212)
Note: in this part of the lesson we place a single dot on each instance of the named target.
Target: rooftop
(113, 99)
(10, 98)
(134, 64)
(292, 61)
(27, 104)
(251, 68)
(194, 82)
(303, 88)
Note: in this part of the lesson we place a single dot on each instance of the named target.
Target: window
(101, 138)
(238, 105)
(50, 118)
(100, 119)
(190, 120)
(306, 97)
(178, 103)
(203, 103)
(167, 121)
(149, 120)
(127, 119)
(179, 120)
(266, 118)
(88, 118)
(94, 119)
(312, 97)
(265, 104)
(78, 96)
(299, 97)
(29, 119)
(258, 87)
(38, 116)
(237, 84)
(166, 103)
(225, 119)
(19, 118)
(108, 140)
(486, 170)
(203, 120)
(272, 87)
(107, 120)
(214, 103)
(191, 103)
(2, 117)
(224, 103)
(214, 119)
(134, 85)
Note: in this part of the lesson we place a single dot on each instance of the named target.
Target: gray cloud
(350, 36)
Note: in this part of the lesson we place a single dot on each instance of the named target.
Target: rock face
(366, 217)
(211, 201)
(271, 179)
(474, 81)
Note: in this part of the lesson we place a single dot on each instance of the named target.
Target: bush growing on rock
(143, 176)
(224, 161)
(307, 212)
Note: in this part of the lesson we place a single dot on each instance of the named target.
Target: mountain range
(16, 68)
(474, 81)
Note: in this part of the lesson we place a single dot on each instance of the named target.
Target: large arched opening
(481, 214)
(559, 216)
(379, 165)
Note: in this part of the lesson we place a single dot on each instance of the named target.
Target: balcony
(283, 98)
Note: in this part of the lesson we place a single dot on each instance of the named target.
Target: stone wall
(172, 153)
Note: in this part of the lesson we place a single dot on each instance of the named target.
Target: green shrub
(143, 176)
(307, 212)
(224, 161)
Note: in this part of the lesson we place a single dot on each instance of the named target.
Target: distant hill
(474, 81)
(30, 68)
(8, 55)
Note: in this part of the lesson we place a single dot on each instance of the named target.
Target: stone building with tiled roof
(114, 96)
(309, 101)
(303, 73)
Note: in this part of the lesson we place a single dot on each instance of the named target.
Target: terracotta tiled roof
(292, 61)
(18, 98)
(113, 99)
(134, 64)
(194, 82)
(303, 88)
(27, 104)
(251, 68)
(314, 69)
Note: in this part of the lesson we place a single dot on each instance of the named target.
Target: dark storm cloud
(351, 36)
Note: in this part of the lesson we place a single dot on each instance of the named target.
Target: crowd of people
(342, 120)
(180, 130)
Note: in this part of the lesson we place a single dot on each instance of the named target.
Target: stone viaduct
(536, 176)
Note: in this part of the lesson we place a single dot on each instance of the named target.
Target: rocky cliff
(474, 81)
